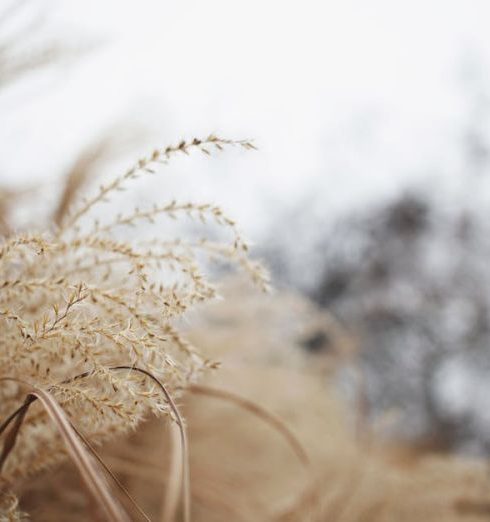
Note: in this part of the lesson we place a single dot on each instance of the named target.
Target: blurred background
(370, 189)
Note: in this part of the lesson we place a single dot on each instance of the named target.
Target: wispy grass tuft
(91, 324)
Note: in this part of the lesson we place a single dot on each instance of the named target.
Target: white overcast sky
(345, 99)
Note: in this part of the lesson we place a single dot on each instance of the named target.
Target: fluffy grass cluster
(270, 440)
(93, 344)
(90, 342)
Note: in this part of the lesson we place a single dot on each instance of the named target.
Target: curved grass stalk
(80, 456)
(260, 412)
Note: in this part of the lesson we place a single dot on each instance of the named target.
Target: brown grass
(90, 328)
(244, 464)
(95, 353)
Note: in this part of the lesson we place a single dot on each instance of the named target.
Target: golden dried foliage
(245, 464)
(94, 322)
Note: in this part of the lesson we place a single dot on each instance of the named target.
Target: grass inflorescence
(90, 342)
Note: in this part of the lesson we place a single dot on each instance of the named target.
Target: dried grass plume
(89, 340)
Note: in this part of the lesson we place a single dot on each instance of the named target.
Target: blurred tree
(411, 280)
(410, 277)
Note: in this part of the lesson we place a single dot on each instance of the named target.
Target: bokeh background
(369, 192)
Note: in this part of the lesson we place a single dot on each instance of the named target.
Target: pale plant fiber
(77, 304)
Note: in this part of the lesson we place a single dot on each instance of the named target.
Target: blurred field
(244, 469)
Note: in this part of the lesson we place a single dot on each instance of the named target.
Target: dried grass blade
(90, 475)
(173, 489)
(260, 412)
(185, 482)
(80, 456)
(11, 437)
(121, 486)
